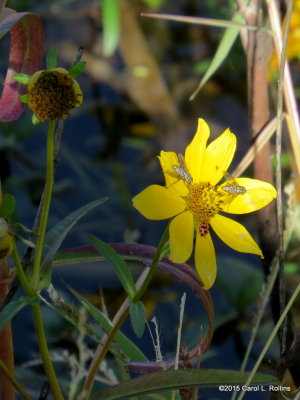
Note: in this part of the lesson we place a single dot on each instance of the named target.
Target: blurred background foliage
(140, 74)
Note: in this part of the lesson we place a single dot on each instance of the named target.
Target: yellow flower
(194, 199)
(53, 93)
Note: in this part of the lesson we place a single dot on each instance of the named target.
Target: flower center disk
(204, 200)
(53, 96)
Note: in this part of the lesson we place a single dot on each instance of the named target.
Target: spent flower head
(52, 93)
(194, 200)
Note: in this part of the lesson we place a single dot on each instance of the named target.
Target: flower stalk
(37, 315)
(20, 272)
(45, 206)
(43, 347)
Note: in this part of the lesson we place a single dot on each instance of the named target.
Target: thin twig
(283, 329)
(289, 93)
(182, 305)
(176, 366)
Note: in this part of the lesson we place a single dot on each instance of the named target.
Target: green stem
(14, 381)
(20, 271)
(104, 347)
(153, 266)
(36, 310)
(46, 205)
(43, 347)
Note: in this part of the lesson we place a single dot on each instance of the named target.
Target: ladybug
(204, 229)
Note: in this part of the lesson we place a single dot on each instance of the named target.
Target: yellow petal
(218, 157)
(234, 235)
(167, 161)
(181, 237)
(78, 92)
(258, 194)
(205, 260)
(195, 151)
(157, 202)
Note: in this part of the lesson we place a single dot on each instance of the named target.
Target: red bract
(26, 50)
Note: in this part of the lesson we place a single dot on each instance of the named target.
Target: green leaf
(24, 98)
(51, 60)
(77, 256)
(119, 265)
(224, 48)
(12, 308)
(171, 380)
(77, 68)
(28, 243)
(21, 78)
(111, 26)
(7, 206)
(137, 317)
(128, 347)
(57, 234)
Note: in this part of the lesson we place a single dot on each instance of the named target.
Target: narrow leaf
(7, 206)
(26, 51)
(128, 347)
(111, 26)
(12, 308)
(171, 380)
(24, 98)
(224, 48)
(28, 243)
(21, 78)
(137, 317)
(119, 265)
(51, 60)
(77, 68)
(57, 234)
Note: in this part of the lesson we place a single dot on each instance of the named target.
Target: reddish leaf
(26, 50)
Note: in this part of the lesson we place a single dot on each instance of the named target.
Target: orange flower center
(204, 200)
